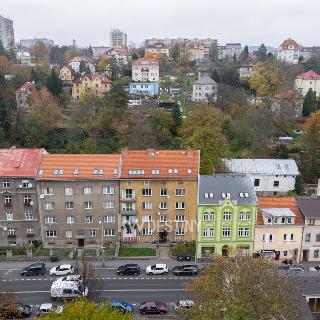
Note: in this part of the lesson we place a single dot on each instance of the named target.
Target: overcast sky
(250, 22)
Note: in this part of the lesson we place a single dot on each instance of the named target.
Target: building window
(276, 183)
(163, 192)
(5, 183)
(180, 205)
(92, 233)
(27, 200)
(288, 237)
(108, 190)
(7, 199)
(311, 222)
(51, 233)
(88, 219)
(50, 220)
(226, 232)
(70, 219)
(109, 232)
(147, 192)
(180, 218)
(212, 216)
(179, 232)
(206, 216)
(180, 192)
(307, 237)
(11, 231)
(316, 253)
(68, 191)
(49, 206)
(208, 232)
(68, 234)
(28, 215)
(88, 205)
(109, 219)
(48, 191)
(163, 206)
(69, 205)
(227, 216)
(285, 253)
(163, 218)
(318, 237)
(147, 205)
(30, 231)
(205, 232)
(244, 232)
(108, 205)
(87, 190)
(9, 215)
(256, 182)
(147, 232)
(146, 218)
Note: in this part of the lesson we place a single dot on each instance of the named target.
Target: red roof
(79, 166)
(20, 162)
(279, 202)
(289, 42)
(28, 86)
(143, 61)
(290, 94)
(160, 164)
(309, 75)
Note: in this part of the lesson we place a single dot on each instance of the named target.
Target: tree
(215, 75)
(8, 303)
(175, 52)
(35, 135)
(134, 55)
(54, 84)
(83, 309)
(230, 75)
(262, 53)
(213, 53)
(298, 185)
(117, 97)
(177, 119)
(244, 55)
(242, 288)
(309, 103)
(312, 63)
(39, 51)
(2, 49)
(162, 123)
(265, 80)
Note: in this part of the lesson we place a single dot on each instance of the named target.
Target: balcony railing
(128, 198)
(126, 212)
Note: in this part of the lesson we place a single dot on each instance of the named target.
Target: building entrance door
(305, 255)
(163, 236)
(80, 243)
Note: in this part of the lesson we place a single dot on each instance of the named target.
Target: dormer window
(155, 171)
(175, 170)
(246, 195)
(206, 195)
(241, 194)
(40, 173)
(95, 172)
(289, 220)
(170, 171)
(115, 172)
(210, 195)
(223, 195)
(283, 220)
(75, 172)
(189, 171)
(55, 172)
(60, 172)
(269, 221)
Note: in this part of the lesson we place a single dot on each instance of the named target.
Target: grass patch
(136, 252)
(89, 252)
(183, 248)
(42, 252)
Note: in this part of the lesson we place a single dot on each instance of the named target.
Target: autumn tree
(70, 54)
(175, 52)
(8, 305)
(265, 80)
(83, 309)
(162, 123)
(309, 103)
(242, 288)
(39, 51)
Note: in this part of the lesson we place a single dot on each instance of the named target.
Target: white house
(145, 70)
(245, 69)
(308, 80)
(269, 176)
(289, 51)
(204, 89)
(76, 61)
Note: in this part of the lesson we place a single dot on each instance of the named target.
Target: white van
(67, 290)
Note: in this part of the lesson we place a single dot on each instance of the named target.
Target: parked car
(183, 304)
(284, 267)
(15, 311)
(314, 268)
(45, 308)
(67, 290)
(72, 278)
(122, 306)
(157, 269)
(185, 270)
(153, 307)
(34, 269)
(62, 270)
(296, 269)
(128, 269)
(184, 257)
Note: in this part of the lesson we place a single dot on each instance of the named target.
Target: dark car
(284, 267)
(153, 307)
(122, 306)
(34, 269)
(128, 269)
(15, 311)
(185, 270)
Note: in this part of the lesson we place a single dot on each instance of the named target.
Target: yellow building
(158, 49)
(158, 195)
(66, 74)
(97, 84)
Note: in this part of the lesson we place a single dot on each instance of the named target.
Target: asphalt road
(106, 285)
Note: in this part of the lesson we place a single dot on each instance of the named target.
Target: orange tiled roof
(289, 42)
(278, 202)
(159, 164)
(19, 162)
(84, 163)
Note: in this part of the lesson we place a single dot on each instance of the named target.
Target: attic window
(246, 194)
(55, 172)
(100, 171)
(95, 172)
(170, 170)
(175, 170)
(228, 195)
(155, 171)
(206, 195)
(40, 173)
(60, 172)
(75, 172)
(115, 172)
(223, 195)
(211, 195)
(189, 171)
(241, 194)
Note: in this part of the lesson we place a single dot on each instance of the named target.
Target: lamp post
(102, 246)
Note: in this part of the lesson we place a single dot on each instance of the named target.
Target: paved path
(164, 253)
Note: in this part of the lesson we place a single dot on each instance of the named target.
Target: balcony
(125, 198)
(126, 212)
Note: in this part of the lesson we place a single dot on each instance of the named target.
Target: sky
(250, 22)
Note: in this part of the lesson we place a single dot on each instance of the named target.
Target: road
(106, 285)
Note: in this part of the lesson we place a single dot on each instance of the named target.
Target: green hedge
(183, 248)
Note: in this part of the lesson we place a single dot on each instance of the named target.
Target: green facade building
(226, 214)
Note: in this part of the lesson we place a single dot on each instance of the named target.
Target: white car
(183, 304)
(62, 270)
(45, 308)
(314, 268)
(72, 278)
(157, 269)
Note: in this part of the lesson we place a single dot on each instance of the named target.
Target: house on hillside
(22, 95)
(204, 89)
(289, 51)
(67, 74)
(288, 103)
(76, 62)
(145, 70)
(308, 80)
(158, 49)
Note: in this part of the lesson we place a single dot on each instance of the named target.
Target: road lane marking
(110, 290)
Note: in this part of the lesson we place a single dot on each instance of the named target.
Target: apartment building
(6, 32)
(78, 199)
(289, 51)
(118, 39)
(19, 217)
(158, 195)
(145, 70)
(158, 49)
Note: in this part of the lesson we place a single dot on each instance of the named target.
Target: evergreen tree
(2, 49)
(244, 54)
(82, 67)
(54, 84)
(262, 53)
(35, 135)
(134, 56)
(90, 52)
(117, 97)
(298, 185)
(177, 119)
(309, 103)
(215, 75)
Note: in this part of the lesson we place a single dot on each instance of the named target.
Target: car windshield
(158, 304)
(153, 266)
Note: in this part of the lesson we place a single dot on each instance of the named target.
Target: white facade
(145, 70)
(233, 49)
(269, 176)
(306, 81)
(23, 57)
(245, 71)
(118, 39)
(289, 51)
(6, 32)
(204, 89)
(75, 64)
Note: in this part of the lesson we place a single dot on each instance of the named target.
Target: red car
(153, 307)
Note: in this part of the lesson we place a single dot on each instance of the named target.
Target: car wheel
(162, 312)
(53, 274)
(121, 274)
(135, 274)
(150, 274)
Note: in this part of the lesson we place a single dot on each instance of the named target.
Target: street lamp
(102, 246)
